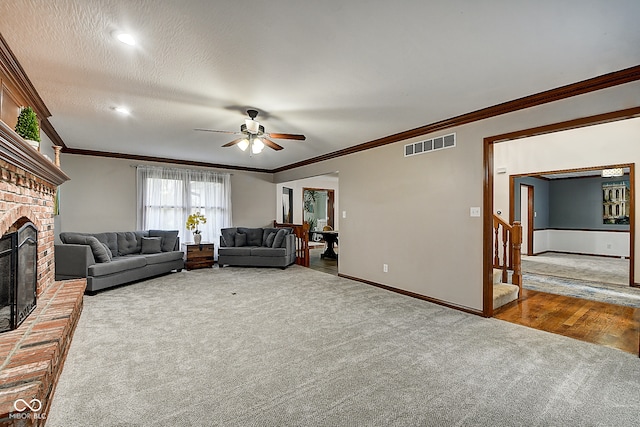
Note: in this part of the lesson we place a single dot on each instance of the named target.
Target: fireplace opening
(18, 276)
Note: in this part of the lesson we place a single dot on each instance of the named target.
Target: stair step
(504, 293)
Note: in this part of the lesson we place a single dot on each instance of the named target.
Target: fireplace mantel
(16, 151)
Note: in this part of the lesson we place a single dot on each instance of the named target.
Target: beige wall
(600, 145)
(413, 213)
(101, 195)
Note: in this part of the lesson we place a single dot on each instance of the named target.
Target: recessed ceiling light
(126, 38)
(122, 110)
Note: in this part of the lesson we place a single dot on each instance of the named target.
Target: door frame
(488, 208)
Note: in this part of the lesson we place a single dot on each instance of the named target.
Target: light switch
(474, 211)
(344, 214)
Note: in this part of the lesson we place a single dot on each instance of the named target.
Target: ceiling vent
(439, 143)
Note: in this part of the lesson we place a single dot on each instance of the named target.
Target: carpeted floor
(296, 347)
(594, 278)
(609, 270)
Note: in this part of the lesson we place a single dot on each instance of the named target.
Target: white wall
(598, 145)
(413, 213)
(101, 195)
(329, 182)
(606, 243)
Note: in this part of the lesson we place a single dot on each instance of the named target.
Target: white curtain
(167, 196)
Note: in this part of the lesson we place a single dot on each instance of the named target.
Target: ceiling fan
(254, 136)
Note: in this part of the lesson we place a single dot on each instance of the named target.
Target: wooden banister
(508, 250)
(301, 232)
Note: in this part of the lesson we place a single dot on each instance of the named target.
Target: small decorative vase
(197, 238)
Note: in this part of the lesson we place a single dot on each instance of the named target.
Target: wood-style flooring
(329, 266)
(600, 323)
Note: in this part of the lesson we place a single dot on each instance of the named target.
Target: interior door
(527, 216)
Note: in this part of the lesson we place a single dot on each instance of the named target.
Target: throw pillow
(100, 252)
(270, 238)
(228, 235)
(279, 238)
(241, 240)
(108, 250)
(151, 245)
(169, 238)
(127, 243)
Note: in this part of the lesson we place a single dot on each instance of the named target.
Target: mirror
(317, 207)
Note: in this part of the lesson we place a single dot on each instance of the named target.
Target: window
(166, 197)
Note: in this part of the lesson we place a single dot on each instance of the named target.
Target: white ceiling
(340, 72)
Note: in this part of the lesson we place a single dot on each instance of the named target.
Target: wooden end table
(199, 256)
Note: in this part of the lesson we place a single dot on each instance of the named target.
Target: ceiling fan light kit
(254, 136)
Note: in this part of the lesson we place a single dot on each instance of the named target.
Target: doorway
(586, 125)
(527, 217)
(318, 206)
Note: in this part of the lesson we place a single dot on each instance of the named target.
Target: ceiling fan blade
(219, 131)
(272, 144)
(232, 143)
(287, 136)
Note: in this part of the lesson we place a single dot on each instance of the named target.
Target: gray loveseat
(113, 258)
(257, 247)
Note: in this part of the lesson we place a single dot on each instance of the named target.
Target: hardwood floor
(329, 266)
(600, 323)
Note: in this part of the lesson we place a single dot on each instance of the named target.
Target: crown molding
(585, 86)
(142, 158)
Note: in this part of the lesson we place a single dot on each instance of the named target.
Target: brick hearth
(32, 356)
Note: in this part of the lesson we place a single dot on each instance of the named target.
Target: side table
(199, 256)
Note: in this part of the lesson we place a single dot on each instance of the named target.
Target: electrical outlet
(474, 211)
(608, 245)
(385, 268)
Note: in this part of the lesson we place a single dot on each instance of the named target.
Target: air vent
(439, 143)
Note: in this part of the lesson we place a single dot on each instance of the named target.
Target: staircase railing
(301, 232)
(507, 254)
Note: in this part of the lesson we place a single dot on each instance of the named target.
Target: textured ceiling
(340, 72)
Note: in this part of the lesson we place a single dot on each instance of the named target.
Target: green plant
(27, 126)
(194, 220)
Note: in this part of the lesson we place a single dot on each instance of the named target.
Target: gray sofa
(257, 247)
(113, 258)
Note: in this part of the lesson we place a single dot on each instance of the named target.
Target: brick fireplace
(32, 355)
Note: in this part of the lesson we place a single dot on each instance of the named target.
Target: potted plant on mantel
(193, 221)
(28, 127)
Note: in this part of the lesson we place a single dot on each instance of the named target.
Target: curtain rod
(181, 169)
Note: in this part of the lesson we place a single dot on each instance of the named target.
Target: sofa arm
(73, 261)
(290, 243)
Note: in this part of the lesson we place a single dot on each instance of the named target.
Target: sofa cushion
(269, 252)
(254, 235)
(228, 235)
(270, 239)
(169, 238)
(240, 240)
(117, 265)
(278, 241)
(151, 245)
(163, 257)
(100, 252)
(128, 243)
(240, 251)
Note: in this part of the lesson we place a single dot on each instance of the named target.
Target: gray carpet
(267, 347)
(600, 269)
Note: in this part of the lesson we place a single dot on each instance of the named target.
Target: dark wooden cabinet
(199, 256)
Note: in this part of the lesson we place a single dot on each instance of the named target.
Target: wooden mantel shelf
(15, 150)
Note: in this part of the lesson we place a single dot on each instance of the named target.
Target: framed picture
(287, 205)
(616, 200)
